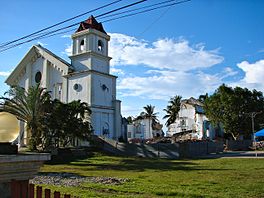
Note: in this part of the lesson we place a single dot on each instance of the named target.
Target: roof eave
(20, 66)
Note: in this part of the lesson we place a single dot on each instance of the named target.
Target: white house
(143, 129)
(192, 121)
(86, 78)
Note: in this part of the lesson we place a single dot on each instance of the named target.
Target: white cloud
(116, 71)
(68, 50)
(42, 44)
(66, 36)
(165, 84)
(174, 58)
(130, 110)
(228, 72)
(4, 74)
(254, 75)
(161, 54)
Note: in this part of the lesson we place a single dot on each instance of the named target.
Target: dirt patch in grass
(70, 179)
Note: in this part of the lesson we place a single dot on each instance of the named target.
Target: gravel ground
(69, 179)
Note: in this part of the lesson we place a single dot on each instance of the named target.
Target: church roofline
(91, 23)
(34, 51)
(89, 71)
(21, 65)
(90, 31)
(90, 52)
(55, 56)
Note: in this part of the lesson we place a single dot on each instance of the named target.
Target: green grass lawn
(166, 178)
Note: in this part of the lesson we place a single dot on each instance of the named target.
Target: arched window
(100, 45)
(82, 45)
(105, 129)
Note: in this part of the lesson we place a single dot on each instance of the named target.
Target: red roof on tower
(91, 23)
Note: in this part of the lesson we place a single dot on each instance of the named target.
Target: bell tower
(91, 81)
(90, 47)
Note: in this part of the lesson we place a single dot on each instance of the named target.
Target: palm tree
(27, 106)
(172, 110)
(79, 109)
(129, 119)
(65, 122)
(149, 114)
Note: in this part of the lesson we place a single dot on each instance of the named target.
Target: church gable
(34, 60)
(40, 65)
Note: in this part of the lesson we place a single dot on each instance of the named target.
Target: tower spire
(92, 23)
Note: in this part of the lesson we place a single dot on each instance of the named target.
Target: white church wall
(36, 66)
(22, 81)
(94, 38)
(82, 62)
(55, 83)
(100, 65)
(83, 90)
(102, 122)
(117, 119)
(102, 90)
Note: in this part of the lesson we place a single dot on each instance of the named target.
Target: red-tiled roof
(91, 23)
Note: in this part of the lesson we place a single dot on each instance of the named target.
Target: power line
(151, 24)
(39, 35)
(57, 31)
(57, 24)
(147, 10)
(121, 8)
(132, 10)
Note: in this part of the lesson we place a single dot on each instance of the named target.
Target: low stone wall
(162, 150)
(196, 149)
(238, 145)
(16, 170)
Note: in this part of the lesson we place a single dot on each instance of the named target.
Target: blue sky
(188, 49)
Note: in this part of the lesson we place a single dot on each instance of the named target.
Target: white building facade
(192, 120)
(143, 129)
(86, 78)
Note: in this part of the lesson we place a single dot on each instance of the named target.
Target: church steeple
(90, 47)
(91, 23)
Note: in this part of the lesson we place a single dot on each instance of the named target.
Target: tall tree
(65, 122)
(172, 110)
(202, 98)
(27, 106)
(150, 115)
(232, 107)
(129, 119)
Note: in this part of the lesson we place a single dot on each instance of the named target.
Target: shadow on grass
(152, 164)
(132, 164)
(67, 159)
(177, 194)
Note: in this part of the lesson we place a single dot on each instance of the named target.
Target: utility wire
(39, 35)
(132, 10)
(149, 26)
(57, 31)
(148, 10)
(70, 19)
(121, 8)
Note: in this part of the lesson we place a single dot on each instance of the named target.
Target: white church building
(86, 78)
